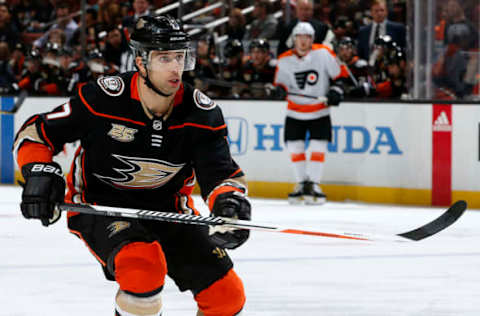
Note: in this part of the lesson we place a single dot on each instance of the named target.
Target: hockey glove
(44, 186)
(334, 96)
(231, 205)
(276, 92)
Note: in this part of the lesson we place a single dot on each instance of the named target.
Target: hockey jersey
(127, 157)
(307, 75)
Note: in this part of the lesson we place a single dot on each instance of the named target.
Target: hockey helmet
(161, 33)
(385, 41)
(395, 56)
(303, 28)
(260, 43)
(233, 48)
(346, 41)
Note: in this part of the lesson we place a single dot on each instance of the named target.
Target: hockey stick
(427, 230)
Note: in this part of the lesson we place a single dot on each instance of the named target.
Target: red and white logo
(441, 123)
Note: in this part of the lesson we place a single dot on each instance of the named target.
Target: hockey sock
(317, 160)
(297, 156)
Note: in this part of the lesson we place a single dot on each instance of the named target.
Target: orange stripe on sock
(298, 157)
(317, 156)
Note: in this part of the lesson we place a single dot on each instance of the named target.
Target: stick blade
(443, 221)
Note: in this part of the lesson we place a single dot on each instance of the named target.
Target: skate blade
(310, 200)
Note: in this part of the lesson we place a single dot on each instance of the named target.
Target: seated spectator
(140, 8)
(304, 13)
(236, 24)
(258, 70)
(8, 32)
(92, 30)
(357, 83)
(379, 26)
(116, 44)
(63, 22)
(233, 54)
(207, 68)
(264, 24)
(8, 82)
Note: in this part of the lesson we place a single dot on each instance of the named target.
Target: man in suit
(379, 26)
(304, 13)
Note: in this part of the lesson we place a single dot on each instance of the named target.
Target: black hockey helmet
(346, 41)
(233, 48)
(395, 56)
(161, 33)
(385, 41)
(260, 43)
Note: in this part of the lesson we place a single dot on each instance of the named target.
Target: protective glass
(181, 60)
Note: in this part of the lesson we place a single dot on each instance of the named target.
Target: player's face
(345, 52)
(303, 44)
(258, 56)
(166, 69)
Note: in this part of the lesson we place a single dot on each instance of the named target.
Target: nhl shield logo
(202, 101)
(112, 86)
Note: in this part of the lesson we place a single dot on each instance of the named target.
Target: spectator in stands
(63, 22)
(455, 73)
(207, 68)
(304, 13)
(236, 25)
(8, 82)
(140, 8)
(259, 69)
(109, 15)
(233, 54)
(8, 32)
(357, 83)
(116, 45)
(264, 24)
(380, 26)
(91, 30)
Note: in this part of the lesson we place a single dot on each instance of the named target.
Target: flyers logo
(304, 77)
(141, 173)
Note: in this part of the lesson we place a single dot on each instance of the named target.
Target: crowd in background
(41, 47)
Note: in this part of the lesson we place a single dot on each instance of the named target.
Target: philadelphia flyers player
(308, 69)
(145, 136)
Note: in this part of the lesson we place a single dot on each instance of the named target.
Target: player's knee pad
(225, 297)
(131, 305)
(140, 268)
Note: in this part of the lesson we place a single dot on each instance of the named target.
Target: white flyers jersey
(308, 75)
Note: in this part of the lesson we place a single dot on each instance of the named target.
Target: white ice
(49, 272)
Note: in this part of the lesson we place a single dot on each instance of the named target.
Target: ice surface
(48, 271)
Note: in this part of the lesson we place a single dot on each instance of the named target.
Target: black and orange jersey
(128, 157)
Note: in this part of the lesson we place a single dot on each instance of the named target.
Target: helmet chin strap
(149, 84)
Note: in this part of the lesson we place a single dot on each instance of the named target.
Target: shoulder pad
(202, 101)
(361, 63)
(111, 85)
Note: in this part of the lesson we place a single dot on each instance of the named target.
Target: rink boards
(400, 153)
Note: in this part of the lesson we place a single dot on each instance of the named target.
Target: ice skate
(296, 197)
(313, 194)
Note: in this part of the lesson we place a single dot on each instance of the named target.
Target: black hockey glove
(44, 186)
(231, 205)
(334, 96)
(275, 92)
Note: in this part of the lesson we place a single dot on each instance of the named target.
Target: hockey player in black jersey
(144, 139)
